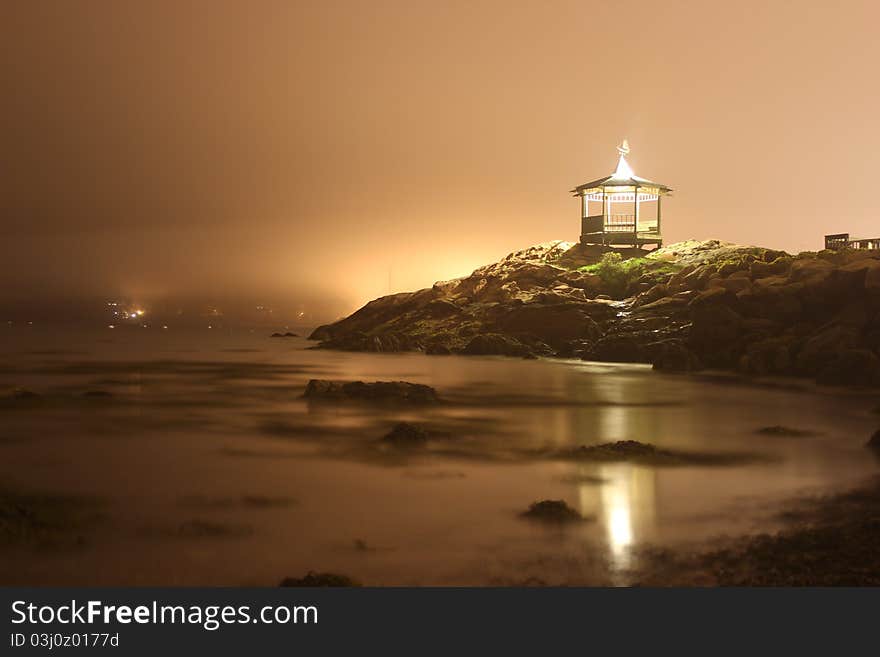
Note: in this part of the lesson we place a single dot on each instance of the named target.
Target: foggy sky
(271, 148)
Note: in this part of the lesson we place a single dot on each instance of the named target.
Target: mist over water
(194, 459)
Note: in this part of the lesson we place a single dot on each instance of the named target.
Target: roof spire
(624, 171)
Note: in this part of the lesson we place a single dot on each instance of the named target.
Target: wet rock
(380, 391)
(633, 451)
(626, 348)
(552, 511)
(673, 356)
(769, 356)
(438, 350)
(406, 436)
(97, 394)
(22, 394)
(210, 529)
(321, 333)
(855, 367)
(782, 431)
(494, 344)
(622, 450)
(554, 323)
(315, 579)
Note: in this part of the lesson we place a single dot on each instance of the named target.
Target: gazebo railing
(616, 223)
(626, 223)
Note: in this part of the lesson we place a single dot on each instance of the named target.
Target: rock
(622, 450)
(321, 333)
(673, 356)
(625, 348)
(768, 356)
(406, 435)
(824, 347)
(552, 511)
(277, 335)
(633, 451)
(754, 309)
(288, 334)
(494, 344)
(855, 367)
(779, 430)
(555, 324)
(97, 394)
(22, 394)
(314, 579)
(715, 333)
(780, 265)
(874, 441)
(380, 391)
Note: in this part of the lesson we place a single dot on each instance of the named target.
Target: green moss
(618, 273)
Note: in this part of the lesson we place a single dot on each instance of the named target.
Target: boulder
(555, 324)
(768, 356)
(824, 347)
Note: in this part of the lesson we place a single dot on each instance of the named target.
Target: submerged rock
(406, 435)
(314, 579)
(399, 391)
(23, 394)
(97, 394)
(634, 451)
(779, 430)
(552, 511)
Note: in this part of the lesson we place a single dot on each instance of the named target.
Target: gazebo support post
(636, 222)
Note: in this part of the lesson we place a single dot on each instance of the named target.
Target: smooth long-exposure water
(205, 466)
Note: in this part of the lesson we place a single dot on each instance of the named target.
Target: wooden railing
(616, 223)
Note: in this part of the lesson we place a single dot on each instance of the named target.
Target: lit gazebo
(614, 210)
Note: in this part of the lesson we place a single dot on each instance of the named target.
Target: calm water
(207, 467)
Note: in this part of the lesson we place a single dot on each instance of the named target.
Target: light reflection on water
(191, 419)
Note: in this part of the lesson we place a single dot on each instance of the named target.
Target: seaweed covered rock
(406, 436)
(315, 579)
(552, 511)
(378, 391)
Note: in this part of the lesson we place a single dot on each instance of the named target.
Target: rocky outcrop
(684, 307)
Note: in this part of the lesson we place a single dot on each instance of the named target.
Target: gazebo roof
(623, 176)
